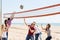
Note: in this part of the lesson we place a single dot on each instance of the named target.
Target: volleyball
(21, 6)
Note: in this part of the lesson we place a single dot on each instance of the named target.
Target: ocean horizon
(54, 24)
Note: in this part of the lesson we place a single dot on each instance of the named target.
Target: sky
(9, 6)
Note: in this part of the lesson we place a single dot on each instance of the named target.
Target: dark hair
(5, 22)
(8, 18)
(48, 26)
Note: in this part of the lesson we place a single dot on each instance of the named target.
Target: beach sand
(17, 32)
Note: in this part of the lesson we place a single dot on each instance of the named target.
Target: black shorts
(4, 38)
(49, 38)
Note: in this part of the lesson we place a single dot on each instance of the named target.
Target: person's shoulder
(36, 27)
(29, 25)
(9, 20)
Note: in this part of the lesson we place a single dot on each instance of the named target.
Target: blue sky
(13, 6)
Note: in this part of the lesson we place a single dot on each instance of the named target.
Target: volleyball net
(37, 12)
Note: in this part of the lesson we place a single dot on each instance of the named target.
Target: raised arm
(42, 27)
(25, 22)
(12, 16)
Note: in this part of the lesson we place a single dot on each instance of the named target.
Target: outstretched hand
(24, 19)
(25, 22)
(41, 25)
(12, 16)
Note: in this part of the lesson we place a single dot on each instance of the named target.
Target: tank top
(4, 35)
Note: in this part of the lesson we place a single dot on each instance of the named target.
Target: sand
(17, 32)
